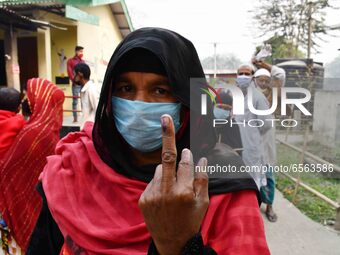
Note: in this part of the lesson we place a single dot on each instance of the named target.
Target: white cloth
(252, 137)
(14, 249)
(278, 73)
(269, 143)
(89, 96)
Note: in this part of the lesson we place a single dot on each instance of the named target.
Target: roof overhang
(12, 19)
(67, 7)
(121, 14)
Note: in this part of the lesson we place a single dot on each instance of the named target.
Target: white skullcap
(247, 65)
(262, 72)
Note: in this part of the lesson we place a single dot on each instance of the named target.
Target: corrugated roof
(14, 19)
(22, 2)
(11, 18)
(119, 9)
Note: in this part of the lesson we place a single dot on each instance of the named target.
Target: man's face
(80, 53)
(78, 78)
(263, 82)
(244, 71)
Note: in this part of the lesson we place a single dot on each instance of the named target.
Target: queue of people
(256, 145)
(126, 183)
(259, 145)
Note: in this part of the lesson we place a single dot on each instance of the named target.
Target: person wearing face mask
(265, 81)
(71, 63)
(89, 94)
(229, 135)
(252, 135)
(126, 184)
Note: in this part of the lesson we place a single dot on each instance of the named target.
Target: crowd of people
(126, 183)
(255, 143)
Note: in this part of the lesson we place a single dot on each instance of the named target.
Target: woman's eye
(125, 88)
(161, 91)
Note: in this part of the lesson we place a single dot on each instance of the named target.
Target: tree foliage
(281, 48)
(290, 19)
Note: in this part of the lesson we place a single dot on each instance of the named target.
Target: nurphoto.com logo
(238, 105)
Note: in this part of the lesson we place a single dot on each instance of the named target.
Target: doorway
(28, 58)
(3, 75)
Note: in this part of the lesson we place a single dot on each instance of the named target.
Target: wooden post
(337, 219)
(337, 216)
(310, 29)
(12, 63)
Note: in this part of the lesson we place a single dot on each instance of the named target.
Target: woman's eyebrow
(122, 79)
(159, 81)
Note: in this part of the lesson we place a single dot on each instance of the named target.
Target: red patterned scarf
(20, 204)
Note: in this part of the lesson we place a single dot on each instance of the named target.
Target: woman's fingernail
(165, 122)
(205, 161)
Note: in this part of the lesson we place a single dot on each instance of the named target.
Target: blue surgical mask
(243, 81)
(139, 122)
(221, 113)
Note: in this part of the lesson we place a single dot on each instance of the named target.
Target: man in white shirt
(265, 78)
(251, 135)
(89, 93)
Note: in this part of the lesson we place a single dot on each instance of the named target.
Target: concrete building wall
(63, 42)
(99, 41)
(50, 42)
(325, 117)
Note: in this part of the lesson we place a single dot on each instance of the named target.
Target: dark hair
(9, 99)
(84, 69)
(78, 48)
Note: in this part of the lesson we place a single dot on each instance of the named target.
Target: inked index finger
(169, 152)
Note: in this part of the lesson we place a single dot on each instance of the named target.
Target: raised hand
(174, 202)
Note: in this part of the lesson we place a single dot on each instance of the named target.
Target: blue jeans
(75, 92)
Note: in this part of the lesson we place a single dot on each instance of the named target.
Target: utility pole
(215, 60)
(310, 87)
(310, 29)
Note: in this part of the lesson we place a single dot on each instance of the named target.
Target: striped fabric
(20, 204)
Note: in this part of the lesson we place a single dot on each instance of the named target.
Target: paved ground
(296, 234)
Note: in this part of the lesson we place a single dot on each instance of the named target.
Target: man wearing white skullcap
(265, 79)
